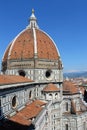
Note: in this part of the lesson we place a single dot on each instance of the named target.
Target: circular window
(14, 102)
(22, 73)
(48, 74)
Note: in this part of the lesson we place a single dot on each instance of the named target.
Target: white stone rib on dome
(9, 54)
(6, 50)
(13, 42)
(35, 41)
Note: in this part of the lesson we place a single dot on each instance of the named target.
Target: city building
(33, 95)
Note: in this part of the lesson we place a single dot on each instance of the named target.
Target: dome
(26, 46)
(30, 43)
(33, 54)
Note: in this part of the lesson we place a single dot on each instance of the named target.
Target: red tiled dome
(31, 48)
(31, 42)
(23, 46)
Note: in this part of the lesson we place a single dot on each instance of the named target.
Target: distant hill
(76, 74)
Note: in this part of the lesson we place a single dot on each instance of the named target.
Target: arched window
(30, 94)
(50, 96)
(56, 95)
(67, 106)
(66, 127)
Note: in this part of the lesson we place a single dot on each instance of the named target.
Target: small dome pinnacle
(33, 21)
(32, 11)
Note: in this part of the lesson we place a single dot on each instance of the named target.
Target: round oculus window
(22, 73)
(48, 74)
(14, 102)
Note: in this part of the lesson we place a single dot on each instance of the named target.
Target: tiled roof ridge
(30, 111)
(51, 87)
(70, 87)
(11, 79)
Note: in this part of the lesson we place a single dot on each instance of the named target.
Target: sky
(64, 20)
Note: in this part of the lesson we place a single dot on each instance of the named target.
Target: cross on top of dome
(32, 21)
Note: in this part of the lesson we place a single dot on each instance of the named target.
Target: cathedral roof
(69, 88)
(13, 79)
(23, 119)
(30, 43)
(29, 112)
(51, 88)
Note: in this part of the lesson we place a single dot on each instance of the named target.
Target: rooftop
(25, 116)
(51, 88)
(13, 79)
(70, 88)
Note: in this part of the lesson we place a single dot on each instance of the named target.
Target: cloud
(74, 71)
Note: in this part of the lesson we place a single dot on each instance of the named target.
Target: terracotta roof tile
(23, 46)
(12, 79)
(51, 88)
(6, 53)
(20, 119)
(46, 47)
(69, 88)
(26, 115)
(23, 119)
